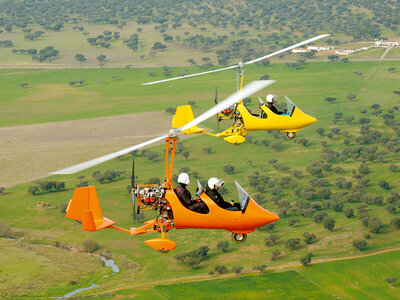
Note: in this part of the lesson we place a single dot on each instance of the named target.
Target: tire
(290, 135)
(239, 238)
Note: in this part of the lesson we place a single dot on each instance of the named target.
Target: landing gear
(239, 237)
(290, 135)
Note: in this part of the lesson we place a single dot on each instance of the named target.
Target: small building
(382, 43)
(300, 50)
(319, 48)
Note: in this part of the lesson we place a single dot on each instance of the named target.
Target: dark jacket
(217, 198)
(273, 109)
(183, 194)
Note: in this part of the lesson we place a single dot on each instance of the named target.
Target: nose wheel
(239, 237)
(290, 135)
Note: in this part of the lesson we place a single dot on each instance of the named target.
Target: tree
(264, 77)
(320, 131)
(329, 223)
(293, 221)
(23, 84)
(330, 99)
(395, 222)
(80, 58)
(384, 184)
(345, 60)
(271, 240)
(359, 244)
(306, 260)
(319, 216)
(237, 269)
(260, 268)
(33, 189)
(292, 244)
(158, 46)
(390, 280)
(275, 254)
(309, 238)
(101, 59)
(223, 246)
(375, 225)
(390, 208)
(229, 169)
(349, 212)
(333, 57)
(220, 269)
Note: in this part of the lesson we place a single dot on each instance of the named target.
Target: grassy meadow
(49, 98)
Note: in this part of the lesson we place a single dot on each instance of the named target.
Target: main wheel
(239, 237)
(290, 135)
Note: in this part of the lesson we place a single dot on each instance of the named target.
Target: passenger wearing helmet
(186, 198)
(270, 104)
(212, 191)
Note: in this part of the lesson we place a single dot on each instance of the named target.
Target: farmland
(47, 101)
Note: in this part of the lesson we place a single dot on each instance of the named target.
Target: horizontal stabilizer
(85, 207)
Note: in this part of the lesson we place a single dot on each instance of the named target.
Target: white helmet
(271, 98)
(183, 178)
(215, 181)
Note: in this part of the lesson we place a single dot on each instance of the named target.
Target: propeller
(246, 63)
(247, 91)
(216, 102)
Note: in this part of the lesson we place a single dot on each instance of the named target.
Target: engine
(151, 195)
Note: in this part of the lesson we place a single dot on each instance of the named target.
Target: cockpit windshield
(243, 196)
(290, 106)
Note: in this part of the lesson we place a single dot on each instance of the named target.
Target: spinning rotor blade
(246, 63)
(248, 90)
(245, 92)
(99, 160)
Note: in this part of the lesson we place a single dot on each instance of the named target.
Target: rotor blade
(245, 92)
(99, 160)
(246, 63)
(216, 95)
(287, 49)
(190, 75)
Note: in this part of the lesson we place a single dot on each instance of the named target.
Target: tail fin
(184, 115)
(85, 207)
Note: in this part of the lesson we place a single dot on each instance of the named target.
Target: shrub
(292, 244)
(306, 260)
(349, 212)
(319, 216)
(395, 222)
(260, 268)
(90, 246)
(275, 254)
(220, 269)
(375, 225)
(223, 246)
(237, 269)
(359, 244)
(329, 223)
(384, 184)
(271, 240)
(229, 169)
(309, 238)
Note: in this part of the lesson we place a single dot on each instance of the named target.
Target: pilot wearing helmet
(212, 191)
(270, 104)
(186, 198)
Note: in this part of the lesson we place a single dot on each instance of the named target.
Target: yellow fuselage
(272, 121)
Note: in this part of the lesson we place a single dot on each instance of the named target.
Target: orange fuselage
(219, 218)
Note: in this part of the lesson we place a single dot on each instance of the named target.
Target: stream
(108, 263)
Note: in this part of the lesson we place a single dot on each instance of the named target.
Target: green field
(359, 278)
(49, 99)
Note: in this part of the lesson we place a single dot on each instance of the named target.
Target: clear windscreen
(243, 197)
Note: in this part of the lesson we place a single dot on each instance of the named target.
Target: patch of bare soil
(33, 151)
